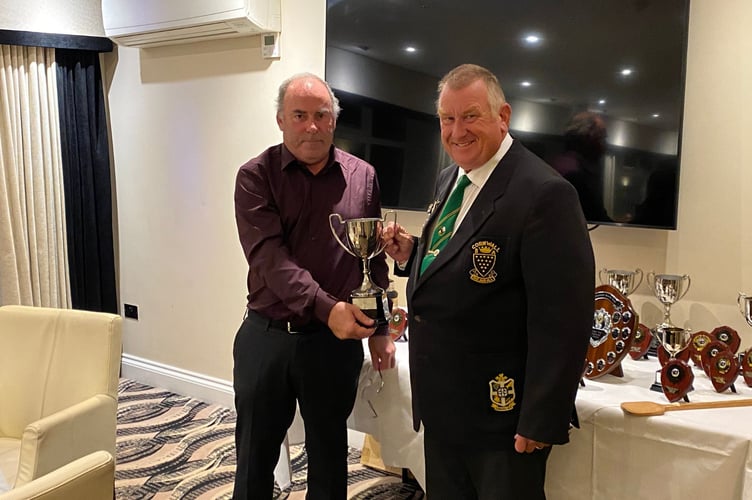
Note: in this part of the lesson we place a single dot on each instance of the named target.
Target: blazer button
(417, 318)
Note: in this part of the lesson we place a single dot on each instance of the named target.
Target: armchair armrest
(67, 435)
(91, 477)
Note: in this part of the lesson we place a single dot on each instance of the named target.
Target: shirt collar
(479, 176)
(289, 159)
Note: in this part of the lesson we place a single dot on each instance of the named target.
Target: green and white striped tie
(445, 223)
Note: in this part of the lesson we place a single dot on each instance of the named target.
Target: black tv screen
(596, 89)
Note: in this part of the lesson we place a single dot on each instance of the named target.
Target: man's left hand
(382, 351)
(525, 445)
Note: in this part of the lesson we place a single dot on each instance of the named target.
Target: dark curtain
(86, 179)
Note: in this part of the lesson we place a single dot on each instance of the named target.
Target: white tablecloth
(388, 417)
(678, 455)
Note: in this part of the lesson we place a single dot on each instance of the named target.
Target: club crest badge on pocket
(484, 262)
(502, 393)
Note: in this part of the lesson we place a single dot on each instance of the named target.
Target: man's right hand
(398, 243)
(349, 322)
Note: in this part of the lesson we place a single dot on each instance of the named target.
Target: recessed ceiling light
(525, 83)
(532, 39)
(410, 49)
(626, 71)
(601, 101)
(656, 115)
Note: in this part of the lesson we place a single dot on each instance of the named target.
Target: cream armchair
(59, 373)
(88, 478)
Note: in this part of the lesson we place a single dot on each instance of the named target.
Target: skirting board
(205, 388)
(187, 383)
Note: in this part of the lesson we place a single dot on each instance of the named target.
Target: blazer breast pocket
(487, 259)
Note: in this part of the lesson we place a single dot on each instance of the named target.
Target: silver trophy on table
(627, 282)
(668, 289)
(745, 307)
(675, 377)
(624, 281)
(363, 240)
(745, 358)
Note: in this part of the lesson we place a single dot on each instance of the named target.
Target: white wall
(184, 118)
(714, 240)
(73, 17)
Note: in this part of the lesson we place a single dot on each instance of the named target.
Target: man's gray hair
(283, 90)
(465, 74)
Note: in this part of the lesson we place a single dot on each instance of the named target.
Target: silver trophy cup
(745, 307)
(668, 289)
(624, 281)
(363, 240)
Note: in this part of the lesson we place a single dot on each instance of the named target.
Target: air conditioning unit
(149, 23)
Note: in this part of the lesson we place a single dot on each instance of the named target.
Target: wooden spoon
(649, 408)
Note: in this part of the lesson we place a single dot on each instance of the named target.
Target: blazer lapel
(479, 212)
(446, 182)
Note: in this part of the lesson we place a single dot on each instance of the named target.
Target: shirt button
(417, 318)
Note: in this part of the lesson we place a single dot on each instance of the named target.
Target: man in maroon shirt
(301, 339)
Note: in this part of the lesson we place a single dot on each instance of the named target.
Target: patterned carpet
(174, 447)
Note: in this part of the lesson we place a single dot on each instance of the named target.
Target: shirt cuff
(323, 304)
(381, 331)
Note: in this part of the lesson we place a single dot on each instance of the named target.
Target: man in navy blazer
(499, 321)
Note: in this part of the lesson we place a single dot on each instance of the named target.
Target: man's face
(307, 122)
(470, 130)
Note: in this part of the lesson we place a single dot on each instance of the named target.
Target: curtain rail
(55, 40)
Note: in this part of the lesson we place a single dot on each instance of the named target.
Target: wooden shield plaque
(614, 326)
(724, 368)
(676, 379)
(712, 350)
(664, 356)
(697, 344)
(641, 342)
(728, 336)
(397, 324)
(745, 360)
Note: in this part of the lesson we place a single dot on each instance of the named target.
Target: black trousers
(463, 473)
(273, 369)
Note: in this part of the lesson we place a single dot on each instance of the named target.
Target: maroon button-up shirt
(297, 270)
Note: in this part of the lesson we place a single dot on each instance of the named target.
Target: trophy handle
(739, 302)
(384, 220)
(689, 282)
(341, 222)
(638, 271)
(600, 276)
(651, 280)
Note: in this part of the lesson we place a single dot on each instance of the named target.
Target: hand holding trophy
(363, 240)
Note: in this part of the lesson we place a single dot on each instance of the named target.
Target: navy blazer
(499, 323)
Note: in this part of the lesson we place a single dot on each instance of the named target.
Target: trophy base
(657, 387)
(374, 306)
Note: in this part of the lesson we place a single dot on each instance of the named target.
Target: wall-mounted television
(596, 89)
